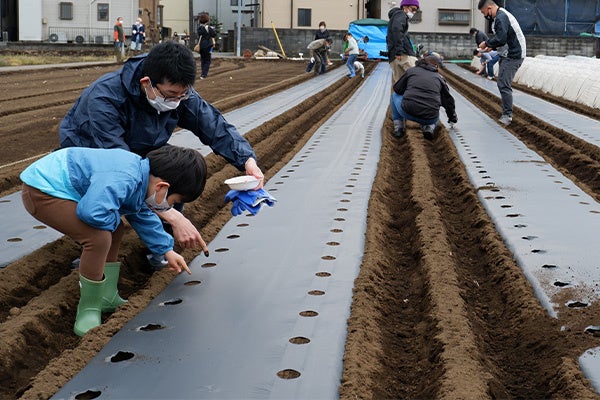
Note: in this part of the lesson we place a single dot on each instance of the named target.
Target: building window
(454, 17)
(304, 17)
(65, 10)
(234, 3)
(418, 17)
(102, 12)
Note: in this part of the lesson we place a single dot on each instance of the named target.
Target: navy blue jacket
(424, 90)
(397, 38)
(113, 112)
(508, 38)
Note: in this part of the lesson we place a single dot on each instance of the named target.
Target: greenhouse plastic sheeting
(549, 224)
(583, 127)
(265, 315)
(24, 234)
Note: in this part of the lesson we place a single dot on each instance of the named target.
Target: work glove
(312, 60)
(248, 200)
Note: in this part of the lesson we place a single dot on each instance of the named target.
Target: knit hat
(409, 3)
(431, 57)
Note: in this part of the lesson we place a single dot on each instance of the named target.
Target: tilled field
(440, 308)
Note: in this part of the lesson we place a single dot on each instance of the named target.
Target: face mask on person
(160, 104)
(410, 15)
(322, 28)
(154, 206)
(489, 17)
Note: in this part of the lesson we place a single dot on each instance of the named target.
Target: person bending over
(138, 107)
(84, 193)
(418, 95)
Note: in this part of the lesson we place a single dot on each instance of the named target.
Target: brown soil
(440, 308)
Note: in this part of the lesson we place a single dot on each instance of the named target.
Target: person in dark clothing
(323, 33)
(401, 53)
(418, 95)
(138, 35)
(206, 41)
(478, 35)
(510, 44)
(119, 39)
(138, 107)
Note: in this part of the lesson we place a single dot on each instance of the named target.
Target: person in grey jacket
(418, 96)
(138, 107)
(510, 44)
(317, 50)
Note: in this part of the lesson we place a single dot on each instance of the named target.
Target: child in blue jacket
(83, 193)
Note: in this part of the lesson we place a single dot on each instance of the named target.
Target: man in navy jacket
(509, 42)
(138, 107)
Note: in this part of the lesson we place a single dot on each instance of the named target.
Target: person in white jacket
(350, 53)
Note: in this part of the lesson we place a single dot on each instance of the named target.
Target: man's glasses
(186, 96)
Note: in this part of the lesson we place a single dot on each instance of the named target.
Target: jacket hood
(394, 11)
(424, 64)
(132, 73)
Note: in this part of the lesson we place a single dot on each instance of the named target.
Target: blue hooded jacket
(113, 112)
(105, 184)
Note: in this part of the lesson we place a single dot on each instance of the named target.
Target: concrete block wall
(452, 46)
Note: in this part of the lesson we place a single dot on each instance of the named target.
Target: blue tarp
(376, 30)
(555, 17)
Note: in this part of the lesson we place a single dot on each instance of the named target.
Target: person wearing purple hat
(400, 48)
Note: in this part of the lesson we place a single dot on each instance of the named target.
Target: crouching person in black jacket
(418, 95)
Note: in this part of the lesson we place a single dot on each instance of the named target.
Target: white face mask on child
(154, 206)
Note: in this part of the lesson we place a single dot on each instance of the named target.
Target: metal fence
(83, 35)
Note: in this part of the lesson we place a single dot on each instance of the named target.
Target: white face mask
(322, 29)
(410, 15)
(160, 104)
(154, 206)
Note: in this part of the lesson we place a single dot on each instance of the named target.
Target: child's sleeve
(150, 229)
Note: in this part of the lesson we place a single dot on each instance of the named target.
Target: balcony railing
(83, 35)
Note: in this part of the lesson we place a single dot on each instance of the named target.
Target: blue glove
(248, 200)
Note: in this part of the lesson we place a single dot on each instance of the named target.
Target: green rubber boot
(89, 307)
(110, 296)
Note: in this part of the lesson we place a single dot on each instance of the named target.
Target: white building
(436, 16)
(92, 21)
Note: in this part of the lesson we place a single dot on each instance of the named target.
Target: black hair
(472, 30)
(183, 168)
(329, 40)
(475, 52)
(483, 3)
(172, 62)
